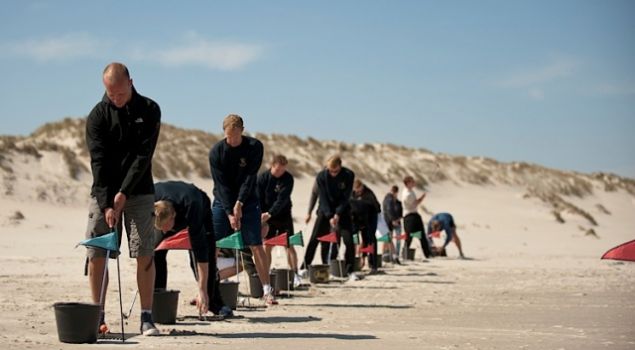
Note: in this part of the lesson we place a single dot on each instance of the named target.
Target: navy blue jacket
(334, 192)
(275, 194)
(235, 170)
(193, 211)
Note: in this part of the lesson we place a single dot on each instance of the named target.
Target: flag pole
(123, 337)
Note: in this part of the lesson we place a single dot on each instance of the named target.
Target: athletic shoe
(353, 277)
(226, 311)
(147, 326)
(303, 273)
(297, 281)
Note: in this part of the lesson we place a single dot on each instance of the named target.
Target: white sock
(149, 312)
(266, 289)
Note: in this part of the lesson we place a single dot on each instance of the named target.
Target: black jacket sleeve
(314, 197)
(253, 165)
(148, 143)
(221, 183)
(344, 206)
(95, 131)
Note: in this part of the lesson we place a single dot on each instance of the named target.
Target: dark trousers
(413, 223)
(213, 292)
(368, 238)
(322, 227)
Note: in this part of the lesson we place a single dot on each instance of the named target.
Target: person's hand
(422, 197)
(264, 217)
(234, 223)
(111, 217)
(238, 210)
(119, 202)
(308, 218)
(202, 302)
(334, 220)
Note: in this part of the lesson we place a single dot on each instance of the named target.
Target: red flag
(624, 251)
(436, 234)
(402, 237)
(369, 249)
(280, 239)
(331, 237)
(181, 240)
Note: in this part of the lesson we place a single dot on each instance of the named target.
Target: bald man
(121, 133)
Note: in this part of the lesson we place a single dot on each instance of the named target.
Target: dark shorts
(249, 224)
(280, 225)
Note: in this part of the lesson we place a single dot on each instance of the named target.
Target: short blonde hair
(163, 211)
(334, 161)
(233, 121)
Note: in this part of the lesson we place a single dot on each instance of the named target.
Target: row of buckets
(78, 322)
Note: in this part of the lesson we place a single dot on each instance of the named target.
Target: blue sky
(547, 82)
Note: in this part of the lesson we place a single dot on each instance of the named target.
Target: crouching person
(179, 205)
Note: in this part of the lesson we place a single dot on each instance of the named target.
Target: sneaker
(147, 325)
(303, 273)
(226, 311)
(297, 281)
(396, 261)
(353, 277)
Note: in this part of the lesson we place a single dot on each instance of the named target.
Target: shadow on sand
(284, 319)
(337, 336)
(371, 306)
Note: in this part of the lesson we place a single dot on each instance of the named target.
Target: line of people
(122, 132)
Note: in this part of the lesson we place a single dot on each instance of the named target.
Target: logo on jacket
(242, 163)
(139, 120)
(278, 187)
(342, 185)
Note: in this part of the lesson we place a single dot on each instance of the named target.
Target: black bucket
(409, 254)
(338, 268)
(77, 322)
(165, 305)
(255, 286)
(319, 273)
(229, 293)
(357, 266)
(284, 279)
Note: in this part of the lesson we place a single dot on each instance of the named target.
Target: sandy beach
(529, 283)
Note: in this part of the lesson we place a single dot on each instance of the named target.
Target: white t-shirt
(409, 201)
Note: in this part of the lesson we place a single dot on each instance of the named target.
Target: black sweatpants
(413, 223)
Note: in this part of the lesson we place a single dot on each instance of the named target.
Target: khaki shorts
(138, 219)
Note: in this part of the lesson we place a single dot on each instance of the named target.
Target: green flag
(296, 239)
(384, 238)
(356, 238)
(417, 234)
(108, 241)
(233, 241)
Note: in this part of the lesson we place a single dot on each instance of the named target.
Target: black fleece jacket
(121, 142)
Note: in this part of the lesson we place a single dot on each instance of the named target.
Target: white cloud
(536, 94)
(557, 68)
(197, 51)
(60, 48)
